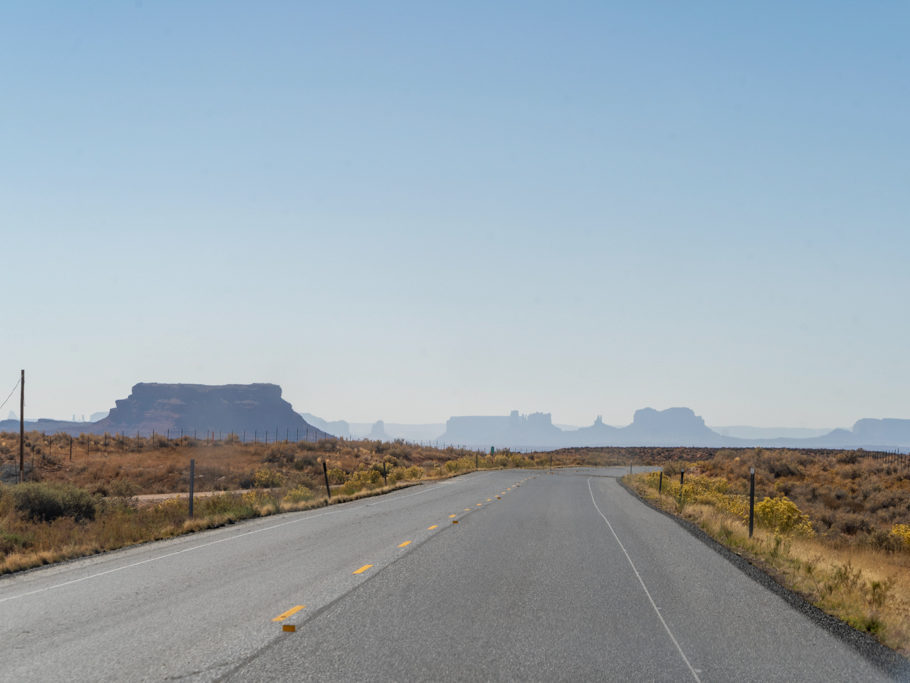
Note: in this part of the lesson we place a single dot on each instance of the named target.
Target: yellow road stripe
(479, 504)
(402, 545)
(489, 500)
(291, 612)
(430, 528)
(363, 569)
(467, 509)
(450, 516)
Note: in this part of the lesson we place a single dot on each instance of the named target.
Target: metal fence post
(751, 500)
(192, 483)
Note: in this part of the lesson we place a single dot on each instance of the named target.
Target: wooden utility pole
(22, 427)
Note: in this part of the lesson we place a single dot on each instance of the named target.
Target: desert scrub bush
(257, 503)
(45, 502)
(264, 478)
(222, 504)
(782, 516)
(902, 533)
(413, 473)
(779, 464)
(337, 475)
(301, 462)
(10, 542)
(466, 463)
(280, 453)
(123, 488)
(298, 494)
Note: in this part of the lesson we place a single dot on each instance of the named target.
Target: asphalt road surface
(506, 575)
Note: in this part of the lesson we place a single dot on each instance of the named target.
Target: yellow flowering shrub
(782, 516)
(902, 531)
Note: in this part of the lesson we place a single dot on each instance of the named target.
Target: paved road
(544, 577)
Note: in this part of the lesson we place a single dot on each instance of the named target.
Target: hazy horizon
(727, 430)
(416, 211)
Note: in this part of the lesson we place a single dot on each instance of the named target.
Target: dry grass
(111, 465)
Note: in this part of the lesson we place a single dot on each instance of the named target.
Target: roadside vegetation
(831, 526)
(93, 493)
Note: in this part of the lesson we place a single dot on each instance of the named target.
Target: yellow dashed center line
(467, 509)
(402, 545)
(450, 516)
(291, 612)
(430, 528)
(479, 504)
(363, 569)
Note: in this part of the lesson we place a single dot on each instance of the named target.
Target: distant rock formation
(378, 431)
(337, 427)
(188, 409)
(259, 408)
(514, 431)
(867, 433)
(200, 408)
(48, 426)
(887, 431)
(670, 427)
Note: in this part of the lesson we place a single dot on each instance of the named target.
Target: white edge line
(644, 587)
(302, 518)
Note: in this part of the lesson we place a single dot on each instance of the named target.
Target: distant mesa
(201, 408)
(188, 409)
(673, 426)
(887, 431)
(513, 430)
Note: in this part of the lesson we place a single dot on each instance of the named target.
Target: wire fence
(897, 458)
(13, 391)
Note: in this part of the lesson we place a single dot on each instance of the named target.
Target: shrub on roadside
(782, 516)
(299, 494)
(902, 533)
(265, 478)
(45, 502)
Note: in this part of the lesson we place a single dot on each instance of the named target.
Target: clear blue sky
(411, 210)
